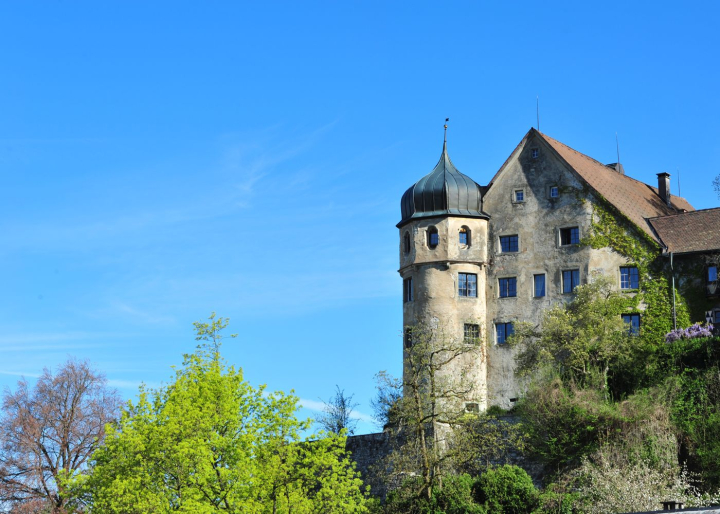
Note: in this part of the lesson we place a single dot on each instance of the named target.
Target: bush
(506, 489)
(454, 497)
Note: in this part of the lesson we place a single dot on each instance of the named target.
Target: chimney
(664, 187)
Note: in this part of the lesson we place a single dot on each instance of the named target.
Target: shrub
(506, 489)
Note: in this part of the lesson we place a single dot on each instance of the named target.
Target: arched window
(464, 237)
(433, 237)
(406, 243)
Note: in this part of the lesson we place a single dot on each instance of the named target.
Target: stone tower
(443, 254)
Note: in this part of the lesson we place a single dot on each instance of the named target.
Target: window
(433, 237)
(408, 290)
(633, 321)
(508, 287)
(406, 243)
(503, 331)
(471, 333)
(407, 337)
(629, 277)
(570, 279)
(716, 318)
(535, 153)
(472, 407)
(539, 285)
(712, 280)
(569, 236)
(554, 192)
(508, 244)
(467, 284)
(464, 236)
(519, 195)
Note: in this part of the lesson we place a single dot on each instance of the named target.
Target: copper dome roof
(443, 192)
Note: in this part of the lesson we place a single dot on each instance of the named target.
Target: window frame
(628, 318)
(569, 231)
(505, 325)
(535, 285)
(573, 283)
(509, 239)
(515, 196)
(507, 285)
(463, 288)
(466, 231)
(408, 290)
(471, 333)
(626, 282)
(433, 231)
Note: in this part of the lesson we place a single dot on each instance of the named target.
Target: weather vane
(445, 136)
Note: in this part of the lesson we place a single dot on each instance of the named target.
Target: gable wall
(537, 221)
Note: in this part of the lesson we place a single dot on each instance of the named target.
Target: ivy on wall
(654, 298)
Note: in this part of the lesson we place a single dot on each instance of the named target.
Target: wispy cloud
(20, 374)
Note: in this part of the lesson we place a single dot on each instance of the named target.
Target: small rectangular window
(554, 192)
(472, 407)
(539, 285)
(467, 284)
(712, 274)
(503, 331)
(569, 236)
(463, 238)
(570, 279)
(508, 287)
(471, 333)
(408, 290)
(633, 321)
(716, 318)
(535, 153)
(629, 277)
(508, 244)
(519, 195)
(407, 337)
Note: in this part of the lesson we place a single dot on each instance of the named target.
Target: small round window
(406, 243)
(433, 237)
(464, 236)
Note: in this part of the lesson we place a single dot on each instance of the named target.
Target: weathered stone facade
(521, 247)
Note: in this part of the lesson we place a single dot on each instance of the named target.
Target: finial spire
(445, 135)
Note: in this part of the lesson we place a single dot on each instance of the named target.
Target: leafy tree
(580, 340)
(337, 413)
(48, 433)
(435, 385)
(385, 403)
(211, 442)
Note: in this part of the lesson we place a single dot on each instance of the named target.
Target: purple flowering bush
(697, 330)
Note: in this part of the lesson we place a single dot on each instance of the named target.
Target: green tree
(211, 442)
(581, 340)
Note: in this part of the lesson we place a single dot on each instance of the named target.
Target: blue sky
(169, 159)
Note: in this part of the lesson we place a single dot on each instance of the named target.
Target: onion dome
(443, 192)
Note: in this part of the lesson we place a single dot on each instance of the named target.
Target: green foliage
(454, 497)
(579, 340)
(694, 369)
(211, 442)
(506, 489)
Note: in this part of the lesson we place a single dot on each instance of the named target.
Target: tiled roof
(636, 200)
(696, 231)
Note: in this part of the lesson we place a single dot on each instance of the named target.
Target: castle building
(478, 259)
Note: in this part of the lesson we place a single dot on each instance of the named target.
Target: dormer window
(464, 236)
(433, 238)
